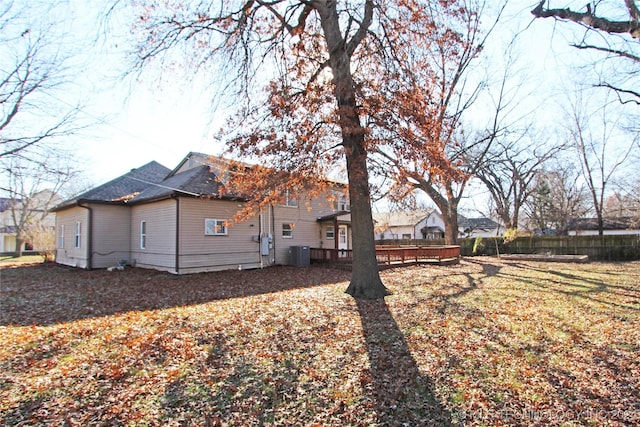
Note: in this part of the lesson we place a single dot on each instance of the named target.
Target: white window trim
(331, 236)
(287, 230)
(212, 225)
(341, 202)
(289, 200)
(143, 234)
(78, 241)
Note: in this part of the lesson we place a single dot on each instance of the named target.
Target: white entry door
(343, 237)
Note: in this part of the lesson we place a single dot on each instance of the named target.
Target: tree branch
(587, 18)
(619, 91)
(618, 52)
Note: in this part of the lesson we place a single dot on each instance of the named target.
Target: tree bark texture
(365, 279)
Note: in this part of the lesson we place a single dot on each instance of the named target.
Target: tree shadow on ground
(47, 294)
(399, 393)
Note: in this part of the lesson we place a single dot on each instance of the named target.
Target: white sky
(132, 124)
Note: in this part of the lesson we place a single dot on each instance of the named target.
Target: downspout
(273, 231)
(260, 237)
(89, 231)
(177, 234)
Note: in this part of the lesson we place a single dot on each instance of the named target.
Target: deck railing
(390, 255)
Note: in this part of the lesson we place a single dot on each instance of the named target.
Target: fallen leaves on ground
(485, 342)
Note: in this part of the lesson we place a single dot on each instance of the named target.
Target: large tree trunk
(365, 278)
(447, 205)
(450, 227)
(19, 244)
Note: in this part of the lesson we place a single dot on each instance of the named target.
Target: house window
(215, 227)
(78, 233)
(61, 237)
(290, 199)
(143, 234)
(406, 236)
(341, 202)
(330, 232)
(287, 231)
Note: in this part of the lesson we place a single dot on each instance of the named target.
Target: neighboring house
(589, 226)
(409, 225)
(478, 227)
(7, 226)
(36, 212)
(179, 221)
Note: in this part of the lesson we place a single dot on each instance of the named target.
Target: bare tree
(613, 37)
(509, 172)
(32, 68)
(603, 148)
(556, 200)
(34, 188)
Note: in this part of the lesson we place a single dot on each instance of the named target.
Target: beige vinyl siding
(70, 255)
(110, 234)
(306, 228)
(159, 252)
(200, 252)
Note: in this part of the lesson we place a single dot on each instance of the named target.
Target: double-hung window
(215, 227)
(143, 234)
(61, 237)
(330, 232)
(290, 199)
(78, 234)
(287, 231)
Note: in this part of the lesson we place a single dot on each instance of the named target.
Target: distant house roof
(477, 223)
(620, 223)
(401, 219)
(5, 203)
(123, 188)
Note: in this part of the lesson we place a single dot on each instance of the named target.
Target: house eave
(176, 194)
(80, 202)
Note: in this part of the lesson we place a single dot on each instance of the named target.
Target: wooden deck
(392, 256)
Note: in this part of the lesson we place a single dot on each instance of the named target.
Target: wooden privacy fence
(624, 247)
(392, 255)
(602, 248)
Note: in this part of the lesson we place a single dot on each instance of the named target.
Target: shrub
(478, 246)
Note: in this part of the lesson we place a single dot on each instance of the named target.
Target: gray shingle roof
(5, 203)
(199, 181)
(124, 187)
(619, 223)
(477, 223)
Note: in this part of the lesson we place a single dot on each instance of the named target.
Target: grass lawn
(483, 343)
(10, 261)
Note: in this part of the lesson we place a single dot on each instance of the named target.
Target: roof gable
(124, 187)
(477, 223)
(199, 181)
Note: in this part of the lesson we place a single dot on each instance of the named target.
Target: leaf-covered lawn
(485, 342)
